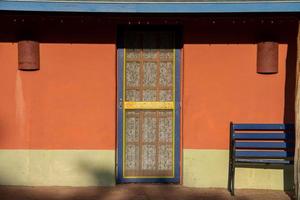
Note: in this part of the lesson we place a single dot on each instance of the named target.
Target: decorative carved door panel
(148, 106)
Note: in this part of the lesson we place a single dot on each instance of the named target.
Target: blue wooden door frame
(120, 71)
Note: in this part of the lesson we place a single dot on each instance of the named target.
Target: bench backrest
(262, 141)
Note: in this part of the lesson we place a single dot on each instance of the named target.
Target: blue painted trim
(177, 111)
(264, 154)
(262, 136)
(94, 7)
(263, 126)
(263, 161)
(120, 58)
(148, 180)
(263, 145)
(120, 71)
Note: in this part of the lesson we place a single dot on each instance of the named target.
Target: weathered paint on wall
(66, 110)
(68, 104)
(209, 168)
(57, 167)
(221, 85)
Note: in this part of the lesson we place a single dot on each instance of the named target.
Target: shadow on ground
(130, 191)
(134, 192)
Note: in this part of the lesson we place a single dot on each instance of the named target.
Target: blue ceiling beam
(100, 7)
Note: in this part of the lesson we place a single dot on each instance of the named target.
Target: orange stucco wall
(221, 85)
(71, 102)
(68, 104)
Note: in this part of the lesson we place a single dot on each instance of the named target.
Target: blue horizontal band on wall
(221, 7)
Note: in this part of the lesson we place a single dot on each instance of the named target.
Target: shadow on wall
(119, 192)
(99, 175)
(77, 29)
(56, 28)
(128, 191)
(289, 105)
(133, 192)
(284, 32)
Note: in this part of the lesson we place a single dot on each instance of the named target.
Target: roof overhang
(116, 6)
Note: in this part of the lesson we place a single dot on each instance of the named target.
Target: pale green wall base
(209, 168)
(201, 168)
(57, 167)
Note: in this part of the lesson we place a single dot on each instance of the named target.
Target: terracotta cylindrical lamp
(28, 55)
(267, 57)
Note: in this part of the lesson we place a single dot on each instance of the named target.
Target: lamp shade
(28, 55)
(267, 57)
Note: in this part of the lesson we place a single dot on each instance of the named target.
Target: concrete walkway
(134, 192)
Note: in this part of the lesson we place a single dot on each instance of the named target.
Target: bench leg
(232, 181)
(229, 176)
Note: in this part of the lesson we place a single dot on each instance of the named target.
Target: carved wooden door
(147, 136)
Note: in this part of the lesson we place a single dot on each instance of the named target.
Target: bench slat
(263, 145)
(262, 126)
(263, 154)
(266, 161)
(253, 136)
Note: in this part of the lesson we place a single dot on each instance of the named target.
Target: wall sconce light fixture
(28, 55)
(267, 57)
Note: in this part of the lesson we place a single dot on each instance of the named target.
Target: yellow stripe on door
(149, 105)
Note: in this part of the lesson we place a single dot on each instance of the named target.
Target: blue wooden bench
(259, 144)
